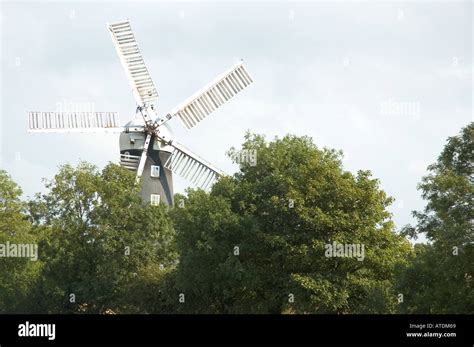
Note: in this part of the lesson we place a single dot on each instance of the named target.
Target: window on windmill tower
(155, 171)
(154, 199)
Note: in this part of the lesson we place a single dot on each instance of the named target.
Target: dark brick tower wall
(162, 185)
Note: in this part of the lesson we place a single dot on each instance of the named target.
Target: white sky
(386, 82)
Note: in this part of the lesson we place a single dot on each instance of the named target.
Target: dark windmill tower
(147, 145)
(156, 180)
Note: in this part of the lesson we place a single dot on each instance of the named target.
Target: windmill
(147, 145)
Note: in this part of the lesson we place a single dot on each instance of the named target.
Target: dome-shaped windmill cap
(136, 122)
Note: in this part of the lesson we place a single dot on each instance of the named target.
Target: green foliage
(280, 214)
(98, 237)
(439, 279)
(255, 244)
(16, 274)
(151, 291)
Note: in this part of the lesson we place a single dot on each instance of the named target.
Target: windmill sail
(73, 122)
(189, 165)
(205, 101)
(132, 61)
(141, 163)
(157, 185)
(129, 161)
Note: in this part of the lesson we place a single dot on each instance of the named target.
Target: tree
(17, 274)
(257, 242)
(439, 280)
(99, 235)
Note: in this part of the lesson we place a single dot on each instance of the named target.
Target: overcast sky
(385, 82)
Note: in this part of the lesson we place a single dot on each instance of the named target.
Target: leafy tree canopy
(16, 273)
(257, 242)
(99, 235)
(439, 279)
